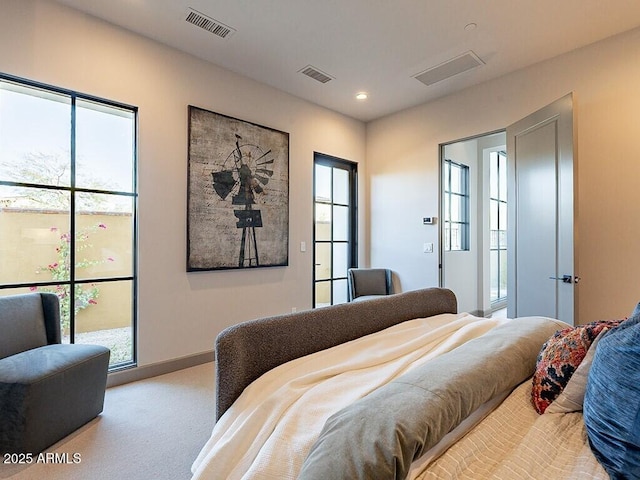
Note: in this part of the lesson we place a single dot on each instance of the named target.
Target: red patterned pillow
(559, 358)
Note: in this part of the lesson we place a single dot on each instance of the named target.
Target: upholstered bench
(47, 389)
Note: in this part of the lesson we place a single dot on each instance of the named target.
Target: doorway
(540, 241)
(473, 226)
(334, 232)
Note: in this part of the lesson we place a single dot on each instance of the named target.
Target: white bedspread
(294, 400)
(514, 442)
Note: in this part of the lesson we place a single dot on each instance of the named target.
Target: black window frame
(74, 96)
(496, 243)
(352, 250)
(463, 195)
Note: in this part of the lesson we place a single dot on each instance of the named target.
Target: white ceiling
(375, 46)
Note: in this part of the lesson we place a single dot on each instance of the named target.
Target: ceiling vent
(448, 69)
(209, 24)
(316, 74)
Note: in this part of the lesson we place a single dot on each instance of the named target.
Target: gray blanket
(379, 436)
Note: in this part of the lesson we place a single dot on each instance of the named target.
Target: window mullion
(72, 223)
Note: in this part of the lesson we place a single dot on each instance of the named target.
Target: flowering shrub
(84, 295)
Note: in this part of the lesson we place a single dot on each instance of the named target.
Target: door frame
(473, 240)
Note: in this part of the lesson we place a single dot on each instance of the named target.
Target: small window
(456, 206)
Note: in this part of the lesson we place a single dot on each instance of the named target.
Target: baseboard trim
(153, 370)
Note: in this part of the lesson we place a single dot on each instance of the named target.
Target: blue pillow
(612, 401)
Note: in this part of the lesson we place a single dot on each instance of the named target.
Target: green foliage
(60, 269)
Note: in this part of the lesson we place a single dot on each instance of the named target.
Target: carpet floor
(149, 430)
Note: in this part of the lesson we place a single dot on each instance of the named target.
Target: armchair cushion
(22, 324)
(48, 392)
(369, 281)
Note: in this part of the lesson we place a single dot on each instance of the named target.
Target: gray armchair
(365, 283)
(47, 389)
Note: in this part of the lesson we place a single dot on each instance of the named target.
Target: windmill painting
(238, 194)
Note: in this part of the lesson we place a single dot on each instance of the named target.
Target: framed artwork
(237, 193)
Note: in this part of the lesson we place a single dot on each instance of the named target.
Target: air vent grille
(316, 74)
(448, 69)
(209, 24)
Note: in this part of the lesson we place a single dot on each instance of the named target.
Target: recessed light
(470, 27)
(362, 95)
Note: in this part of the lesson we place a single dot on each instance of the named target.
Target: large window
(334, 228)
(456, 206)
(67, 209)
(498, 222)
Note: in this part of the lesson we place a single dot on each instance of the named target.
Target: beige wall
(39, 235)
(604, 78)
(180, 314)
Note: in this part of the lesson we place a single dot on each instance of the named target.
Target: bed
(400, 387)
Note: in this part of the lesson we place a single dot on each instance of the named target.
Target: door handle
(566, 279)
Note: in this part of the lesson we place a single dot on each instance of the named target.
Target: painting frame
(237, 193)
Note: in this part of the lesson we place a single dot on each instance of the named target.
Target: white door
(541, 258)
